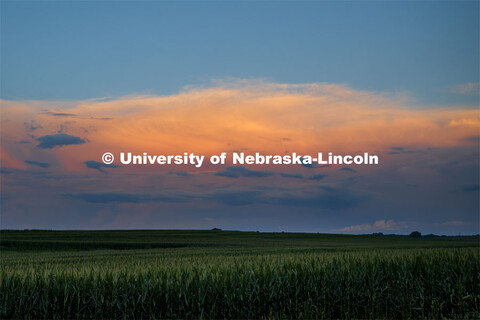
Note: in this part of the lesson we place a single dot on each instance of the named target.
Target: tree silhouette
(415, 234)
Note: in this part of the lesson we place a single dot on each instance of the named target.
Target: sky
(395, 79)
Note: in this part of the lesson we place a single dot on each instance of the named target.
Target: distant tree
(377, 234)
(431, 235)
(415, 234)
(216, 229)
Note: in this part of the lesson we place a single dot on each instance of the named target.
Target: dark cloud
(60, 139)
(314, 165)
(348, 169)
(270, 188)
(353, 179)
(401, 150)
(92, 164)
(62, 114)
(318, 176)
(237, 197)
(181, 173)
(327, 188)
(6, 170)
(328, 199)
(331, 200)
(59, 114)
(38, 164)
(121, 197)
(100, 118)
(241, 171)
(31, 126)
(470, 188)
(292, 175)
(473, 139)
(464, 168)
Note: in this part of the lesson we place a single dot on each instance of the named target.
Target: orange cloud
(242, 116)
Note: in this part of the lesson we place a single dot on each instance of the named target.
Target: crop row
(411, 284)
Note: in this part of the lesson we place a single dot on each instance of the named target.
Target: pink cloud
(379, 225)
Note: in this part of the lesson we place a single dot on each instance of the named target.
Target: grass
(222, 274)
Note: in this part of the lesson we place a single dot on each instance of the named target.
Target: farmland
(225, 274)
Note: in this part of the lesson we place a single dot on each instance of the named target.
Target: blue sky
(83, 50)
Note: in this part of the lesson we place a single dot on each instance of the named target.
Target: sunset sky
(395, 79)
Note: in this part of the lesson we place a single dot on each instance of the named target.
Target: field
(225, 274)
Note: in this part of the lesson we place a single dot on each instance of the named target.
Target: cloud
(348, 169)
(234, 197)
(92, 164)
(314, 165)
(24, 175)
(241, 171)
(309, 165)
(379, 225)
(5, 170)
(233, 116)
(318, 176)
(121, 197)
(60, 114)
(292, 175)
(473, 139)
(31, 126)
(60, 139)
(402, 150)
(470, 88)
(333, 200)
(181, 173)
(456, 223)
(248, 117)
(38, 164)
(470, 188)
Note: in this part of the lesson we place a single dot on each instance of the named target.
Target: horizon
(257, 231)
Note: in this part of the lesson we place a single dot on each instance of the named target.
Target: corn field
(205, 284)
